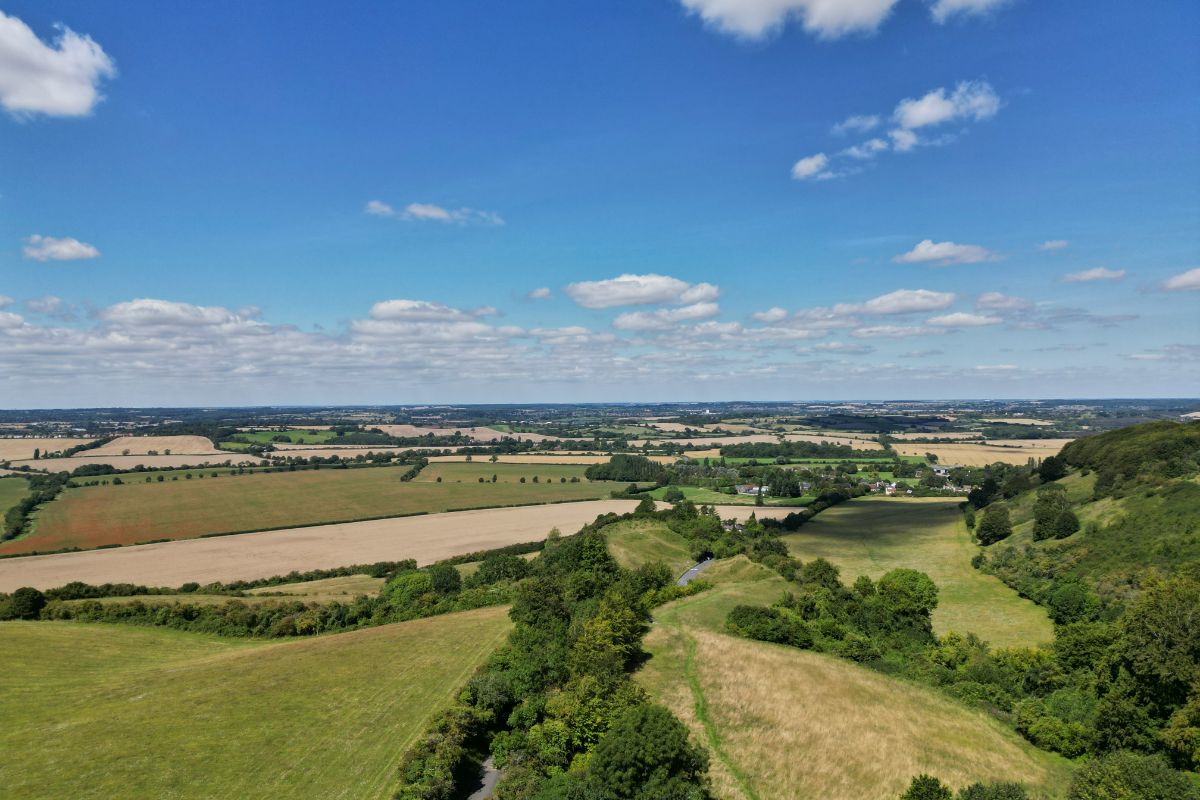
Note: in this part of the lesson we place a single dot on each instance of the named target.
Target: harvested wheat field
(549, 458)
(131, 462)
(142, 445)
(18, 449)
(846, 441)
(426, 538)
(303, 451)
(1008, 451)
(122, 711)
(479, 434)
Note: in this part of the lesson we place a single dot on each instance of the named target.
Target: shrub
(1128, 776)
(996, 525)
(769, 625)
(927, 787)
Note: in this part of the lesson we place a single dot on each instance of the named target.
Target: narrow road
(489, 776)
(693, 573)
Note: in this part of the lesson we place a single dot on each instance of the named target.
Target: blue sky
(212, 203)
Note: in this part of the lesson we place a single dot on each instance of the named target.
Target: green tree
(26, 603)
(646, 506)
(995, 525)
(927, 787)
(673, 495)
(908, 593)
(1051, 469)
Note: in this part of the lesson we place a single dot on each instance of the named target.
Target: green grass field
(11, 492)
(870, 536)
(91, 516)
(342, 589)
(297, 436)
(639, 541)
(104, 711)
(472, 471)
(785, 723)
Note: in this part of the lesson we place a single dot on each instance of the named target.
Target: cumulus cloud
(774, 314)
(424, 311)
(942, 10)
(912, 118)
(825, 19)
(429, 212)
(51, 306)
(1095, 274)
(664, 318)
(970, 100)
(541, 293)
(152, 313)
(962, 319)
(1051, 245)
(995, 301)
(907, 301)
(812, 168)
(48, 248)
(859, 123)
(1183, 282)
(945, 254)
(867, 150)
(640, 290)
(60, 79)
(5, 301)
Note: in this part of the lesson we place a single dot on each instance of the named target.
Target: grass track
(787, 723)
(637, 542)
(870, 536)
(91, 516)
(103, 711)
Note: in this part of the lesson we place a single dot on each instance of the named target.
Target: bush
(769, 625)
(25, 603)
(996, 525)
(1128, 776)
(927, 787)
(673, 495)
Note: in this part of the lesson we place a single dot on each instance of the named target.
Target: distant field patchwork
(120, 711)
(88, 517)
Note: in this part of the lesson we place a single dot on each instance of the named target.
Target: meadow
(121, 711)
(12, 489)
(870, 536)
(92, 516)
(780, 722)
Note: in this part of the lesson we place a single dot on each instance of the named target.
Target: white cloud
(50, 306)
(664, 318)
(866, 150)
(640, 290)
(424, 311)
(995, 301)
(907, 301)
(59, 80)
(151, 313)
(1054, 244)
(944, 9)
(996, 367)
(945, 253)
(5, 301)
(962, 319)
(903, 140)
(429, 212)
(812, 168)
(970, 100)
(859, 123)
(826, 19)
(846, 348)
(1183, 282)
(774, 314)
(541, 293)
(1095, 274)
(48, 248)
(894, 331)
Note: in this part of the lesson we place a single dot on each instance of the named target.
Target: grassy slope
(786, 723)
(870, 536)
(637, 542)
(96, 711)
(96, 515)
(11, 491)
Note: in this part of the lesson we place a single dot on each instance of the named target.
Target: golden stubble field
(427, 539)
(1008, 451)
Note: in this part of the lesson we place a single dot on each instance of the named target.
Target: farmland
(471, 472)
(143, 445)
(978, 454)
(781, 722)
(20, 449)
(130, 712)
(11, 491)
(92, 516)
(427, 539)
(870, 536)
(701, 496)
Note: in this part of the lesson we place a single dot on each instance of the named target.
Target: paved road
(693, 573)
(488, 777)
